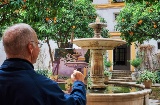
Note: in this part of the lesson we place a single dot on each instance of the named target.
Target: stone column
(97, 69)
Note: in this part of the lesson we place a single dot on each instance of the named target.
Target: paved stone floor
(154, 102)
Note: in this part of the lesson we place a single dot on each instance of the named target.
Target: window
(158, 45)
(118, 1)
(115, 29)
(115, 16)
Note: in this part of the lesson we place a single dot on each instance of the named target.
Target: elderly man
(20, 84)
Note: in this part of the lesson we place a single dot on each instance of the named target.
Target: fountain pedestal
(97, 69)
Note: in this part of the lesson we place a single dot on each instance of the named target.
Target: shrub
(148, 75)
(107, 73)
(136, 62)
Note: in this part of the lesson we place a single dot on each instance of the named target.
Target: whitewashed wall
(108, 15)
(100, 1)
(43, 59)
(2, 53)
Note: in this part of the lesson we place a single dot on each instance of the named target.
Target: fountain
(98, 46)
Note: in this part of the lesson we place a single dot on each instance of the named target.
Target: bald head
(16, 38)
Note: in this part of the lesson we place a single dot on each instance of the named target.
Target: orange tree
(32, 12)
(52, 19)
(72, 18)
(139, 21)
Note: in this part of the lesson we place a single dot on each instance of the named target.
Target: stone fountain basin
(133, 98)
(76, 64)
(98, 43)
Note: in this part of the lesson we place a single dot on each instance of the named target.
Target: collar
(15, 64)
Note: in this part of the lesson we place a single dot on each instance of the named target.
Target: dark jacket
(21, 85)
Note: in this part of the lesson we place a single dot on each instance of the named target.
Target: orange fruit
(54, 18)
(140, 21)
(73, 27)
(47, 19)
(131, 33)
(155, 26)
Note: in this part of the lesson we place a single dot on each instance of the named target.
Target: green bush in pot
(107, 75)
(135, 62)
(148, 77)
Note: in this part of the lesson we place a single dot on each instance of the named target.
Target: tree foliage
(139, 21)
(73, 17)
(52, 19)
(32, 12)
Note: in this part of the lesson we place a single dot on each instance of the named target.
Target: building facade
(109, 10)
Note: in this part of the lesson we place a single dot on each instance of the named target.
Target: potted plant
(107, 75)
(158, 76)
(147, 78)
(107, 64)
(135, 63)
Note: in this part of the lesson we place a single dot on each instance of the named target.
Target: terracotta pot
(106, 78)
(147, 84)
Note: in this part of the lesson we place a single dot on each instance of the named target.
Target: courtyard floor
(154, 102)
(155, 95)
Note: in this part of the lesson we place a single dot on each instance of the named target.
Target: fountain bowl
(98, 43)
(132, 98)
(76, 65)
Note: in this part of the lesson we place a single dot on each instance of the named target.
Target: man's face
(36, 49)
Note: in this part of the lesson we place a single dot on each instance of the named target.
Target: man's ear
(30, 48)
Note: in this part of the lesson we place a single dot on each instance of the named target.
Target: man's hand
(77, 76)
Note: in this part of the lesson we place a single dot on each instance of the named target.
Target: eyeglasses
(38, 43)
